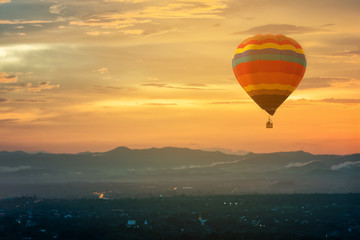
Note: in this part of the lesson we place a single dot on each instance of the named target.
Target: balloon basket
(269, 123)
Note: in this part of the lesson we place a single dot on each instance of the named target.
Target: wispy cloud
(299, 164)
(341, 100)
(5, 1)
(27, 86)
(138, 17)
(107, 89)
(284, 29)
(176, 9)
(196, 85)
(13, 169)
(133, 32)
(30, 100)
(127, 1)
(6, 121)
(96, 33)
(205, 166)
(102, 23)
(160, 104)
(355, 52)
(345, 165)
(229, 102)
(103, 70)
(3, 100)
(345, 101)
(181, 87)
(21, 113)
(41, 86)
(12, 22)
(6, 78)
(57, 8)
(321, 82)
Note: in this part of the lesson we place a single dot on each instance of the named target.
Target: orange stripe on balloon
(269, 66)
(269, 78)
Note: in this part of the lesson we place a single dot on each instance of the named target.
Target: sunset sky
(97, 74)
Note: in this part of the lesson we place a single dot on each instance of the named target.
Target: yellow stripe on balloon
(269, 86)
(269, 45)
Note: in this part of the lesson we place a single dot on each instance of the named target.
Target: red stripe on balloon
(269, 66)
(269, 78)
(270, 40)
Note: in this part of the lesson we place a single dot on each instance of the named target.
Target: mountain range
(207, 171)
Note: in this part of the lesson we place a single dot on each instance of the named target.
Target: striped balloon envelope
(269, 68)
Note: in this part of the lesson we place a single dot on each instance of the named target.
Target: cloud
(57, 8)
(3, 100)
(205, 166)
(104, 73)
(13, 169)
(126, 1)
(345, 165)
(196, 85)
(5, 1)
(284, 29)
(11, 22)
(160, 104)
(343, 100)
(355, 52)
(97, 33)
(5, 121)
(183, 87)
(156, 30)
(298, 164)
(41, 86)
(133, 32)
(30, 100)
(321, 82)
(229, 102)
(6, 78)
(26, 86)
(103, 70)
(15, 53)
(137, 17)
(174, 10)
(106, 23)
(108, 89)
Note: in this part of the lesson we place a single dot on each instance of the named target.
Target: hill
(210, 171)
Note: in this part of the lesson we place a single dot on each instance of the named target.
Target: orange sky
(97, 74)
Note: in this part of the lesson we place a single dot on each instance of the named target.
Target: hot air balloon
(269, 68)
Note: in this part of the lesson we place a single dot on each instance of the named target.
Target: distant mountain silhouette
(269, 172)
(227, 151)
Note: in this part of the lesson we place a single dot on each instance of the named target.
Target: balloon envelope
(269, 68)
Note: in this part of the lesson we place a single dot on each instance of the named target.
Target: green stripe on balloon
(269, 57)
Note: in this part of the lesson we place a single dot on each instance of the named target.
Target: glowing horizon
(97, 74)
